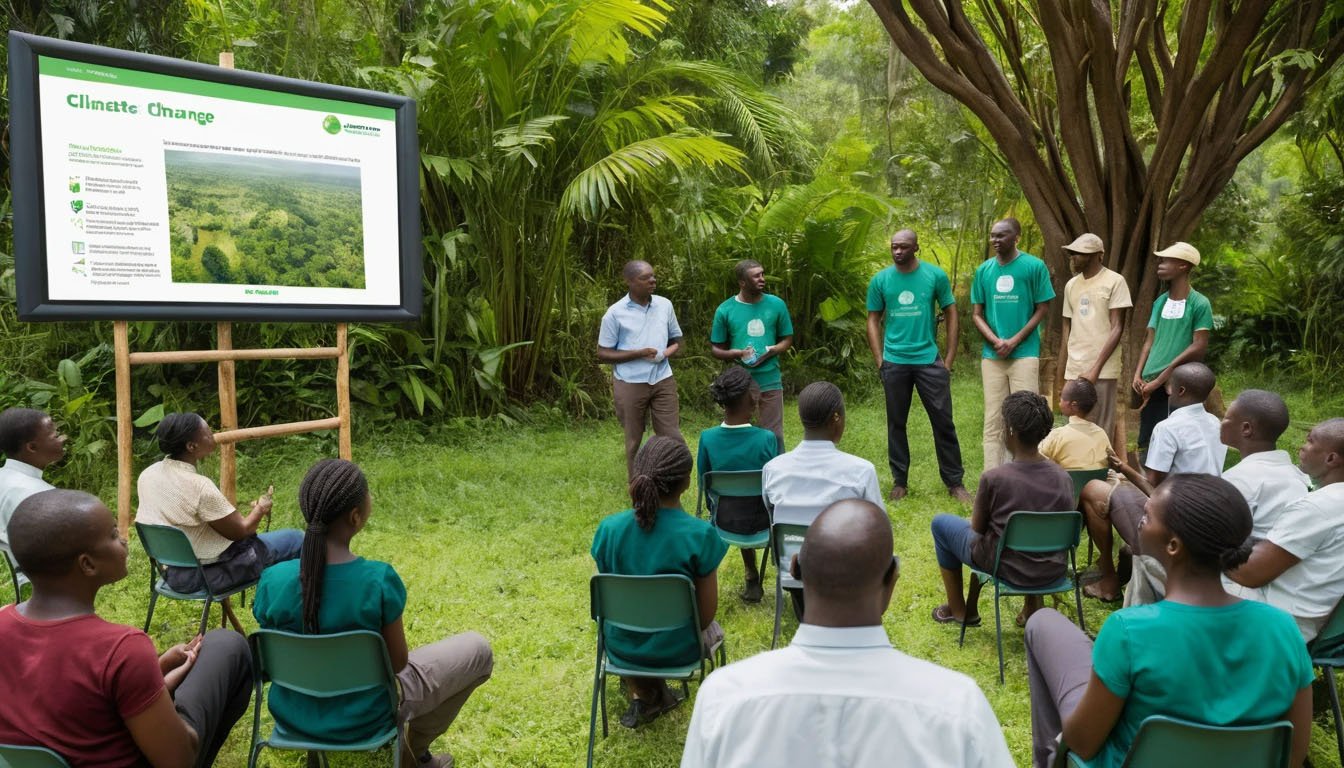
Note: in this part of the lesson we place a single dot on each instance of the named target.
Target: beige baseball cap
(1182, 251)
(1086, 243)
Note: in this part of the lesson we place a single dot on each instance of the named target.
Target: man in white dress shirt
(817, 473)
(31, 442)
(840, 695)
(1300, 562)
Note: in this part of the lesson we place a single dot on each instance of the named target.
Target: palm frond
(520, 140)
(597, 28)
(653, 115)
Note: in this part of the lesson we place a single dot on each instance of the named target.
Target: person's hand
(1113, 460)
(1137, 384)
(1003, 347)
(177, 661)
(650, 353)
(1151, 387)
(263, 504)
(947, 363)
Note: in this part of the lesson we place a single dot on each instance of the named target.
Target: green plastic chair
(13, 569)
(1327, 652)
(30, 757)
(786, 539)
(167, 546)
(326, 667)
(1038, 533)
(717, 484)
(1080, 478)
(1166, 742)
(642, 604)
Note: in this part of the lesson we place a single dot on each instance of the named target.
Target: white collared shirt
(18, 481)
(842, 698)
(1309, 529)
(1187, 441)
(817, 474)
(1270, 482)
(630, 325)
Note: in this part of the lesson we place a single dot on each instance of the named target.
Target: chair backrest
(30, 757)
(1040, 532)
(1081, 477)
(1166, 742)
(166, 545)
(745, 482)
(786, 539)
(658, 603)
(325, 666)
(1330, 640)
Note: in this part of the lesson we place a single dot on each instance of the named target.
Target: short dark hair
(1211, 516)
(1196, 377)
(176, 430)
(1266, 411)
(18, 427)
(1013, 223)
(1029, 416)
(818, 402)
(1083, 393)
(44, 536)
(741, 268)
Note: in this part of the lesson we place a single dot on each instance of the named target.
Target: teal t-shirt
(909, 302)
(734, 449)
(760, 325)
(1240, 664)
(677, 543)
(1010, 293)
(360, 594)
(1174, 324)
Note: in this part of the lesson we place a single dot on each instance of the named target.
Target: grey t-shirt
(1029, 486)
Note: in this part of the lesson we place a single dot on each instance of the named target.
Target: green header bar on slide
(95, 73)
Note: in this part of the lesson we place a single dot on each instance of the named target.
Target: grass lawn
(490, 531)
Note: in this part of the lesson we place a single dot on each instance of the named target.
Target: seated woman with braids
(1199, 655)
(1029, 482)
(736, 445)
(657, 537)
(331, 589)
(226, 542)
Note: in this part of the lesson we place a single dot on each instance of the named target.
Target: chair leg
(255, 753)
(153, 598)
(765, 560)
(779, 608)
(1334, 707)
(205, 616)
(592, 715)
(603, 689)
(998, 631)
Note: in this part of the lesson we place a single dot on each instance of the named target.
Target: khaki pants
(636, 403)
(772, 414)
(1103, 413)
(1001, 378)
(436, 682)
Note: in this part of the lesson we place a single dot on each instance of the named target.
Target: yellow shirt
(171, 493)
(1080, 444)
(1088, 305)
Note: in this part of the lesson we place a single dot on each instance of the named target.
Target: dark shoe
(642, 713)
(959, 493)
(752, 592)
(898, 492)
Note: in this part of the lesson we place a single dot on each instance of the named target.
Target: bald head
(1197, 380)
(634, 269)
(905, 234)
(49, 530)
(1331, 434)
(846, 557)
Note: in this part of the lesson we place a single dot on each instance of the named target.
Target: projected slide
(162, 188)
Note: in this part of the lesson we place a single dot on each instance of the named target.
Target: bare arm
(953, 320)
(673, 347)
(234, 526)
(1140, 481)
(982, 325)
(394, 635)
(721, 351)
(1154, 477)
(1137, 384)
(779, 348)
(1268, 562)
(1086, 729)
(613, 355)
(162, 737)
(1108, 347)
(1300, 716)
(1064, 346)
(707, 597)
(875, 329)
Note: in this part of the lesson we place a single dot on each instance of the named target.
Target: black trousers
(1154, 413)
(216, 691)
(934, 384)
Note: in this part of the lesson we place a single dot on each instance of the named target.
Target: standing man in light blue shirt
(639, 334)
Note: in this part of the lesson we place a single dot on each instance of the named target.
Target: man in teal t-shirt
(1010, 294)
(1178, 333)
(754, 328)
(902, 327)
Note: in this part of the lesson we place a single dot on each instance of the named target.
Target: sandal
(943, 615)
(642, 713)
(1090, 590)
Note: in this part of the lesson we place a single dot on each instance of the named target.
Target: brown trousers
(637, 403)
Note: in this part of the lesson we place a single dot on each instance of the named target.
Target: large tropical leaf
(596, 31)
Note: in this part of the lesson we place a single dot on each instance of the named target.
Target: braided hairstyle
(1211, 517)
(731, 386)
(1028, 415)
(175, 431)
(661, 467)
(331, 488)
(818, 402)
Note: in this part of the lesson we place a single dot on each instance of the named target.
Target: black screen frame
(28, 206)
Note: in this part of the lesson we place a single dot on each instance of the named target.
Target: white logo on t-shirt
(1173, 309)
(1084, 306)
(906, 297)
(1004, 284)
(755, 327)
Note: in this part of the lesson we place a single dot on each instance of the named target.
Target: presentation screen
(147, 187)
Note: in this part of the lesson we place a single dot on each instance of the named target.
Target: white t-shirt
(1187, 441)
(1270, 482)
(1310, 529)
(842, 697)
(817, 474)
(18, 481)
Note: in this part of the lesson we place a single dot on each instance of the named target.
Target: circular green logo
(332, 124)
